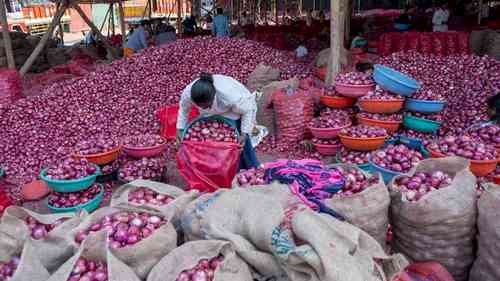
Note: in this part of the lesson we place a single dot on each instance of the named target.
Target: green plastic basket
(231, 123)
(90, 206)
(420, 124)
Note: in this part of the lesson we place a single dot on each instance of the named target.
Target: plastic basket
(232, 123)
(327, 133)
(420, 124)
(327, 149)
(101, 158)
(424, 106)
(337, 102)
(381, 106)
(394, 81)
(390, 126)
(168, 120)
(353, 91)
(90, 206)
(362, 144)
(70, 185)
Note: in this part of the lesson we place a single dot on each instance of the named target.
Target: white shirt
(439, 20)
(301, 51)
(232, 100)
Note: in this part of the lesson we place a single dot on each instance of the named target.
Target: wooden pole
(6, 36)
(179, 16)
(479, 14)
(276, 11)
(105, 18)
(112, 18)
(122, 23)
(150, 9)
(61, 30)
(41, 45)
(337, 22)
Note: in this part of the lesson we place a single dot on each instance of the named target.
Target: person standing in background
(221, 24)
(137, 40)
(440, 19)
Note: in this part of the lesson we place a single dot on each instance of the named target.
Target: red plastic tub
(168, 120)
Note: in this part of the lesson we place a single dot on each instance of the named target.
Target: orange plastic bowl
(390, 126)
(327, 149)
(327, 133)
(101, 158)
(381, 106)
(337, 102)
(481, 168)
(362, 144)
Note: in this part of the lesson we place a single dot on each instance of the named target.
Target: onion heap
(330, 92)
(489, 134)
(73, 199)
(331, 118)
(70, 169)
(40, 230)
(364, 131)
(89, 270)
(145, 140)
(124, 228)
(326, 141)
(355, 181)
(438, 117)
(96, 145)
(416, 186)
(144, 195)
(253, 176)
(203, 271)
(424, 137)
(464, 146)
(145, 168)
(398, 158)
(354, 157)
(110, 168)
(7, 269)
(380, 94)
(211, 130)
(428, 95)
(382, 117)
(355, 78)
(300, 150)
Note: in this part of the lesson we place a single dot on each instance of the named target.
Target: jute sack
(258, 221)
(476, 41)
(187, 256)
(368, 210)
(141, 257)
(261, 76)
(54, 249)
(441, 226)
(173, 209)
(492, 44)
(486, 265)
(30, 266)
(95, 248)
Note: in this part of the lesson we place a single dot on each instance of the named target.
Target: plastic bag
(11, 87)
(424, 271)
(293, 111)
(208, 166)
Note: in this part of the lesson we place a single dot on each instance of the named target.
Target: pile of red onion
(398, 158)
(70, 169)
(438, 117)
(145, 140)
(253, 176)
(72, 199)
(300, 150)
(124, 228)
(382, 117)
(96, 145)
(326, 141)
(489, 134)
(427, 94)
(110, 168)
(354, 181)
(363, 131)
(330, 92)
(380, 94)
(40, 230)
(89, 270)
(331, 118)
(354, 157)
(211, 130)
(7, 269)
(144, 195)
(355, 78)
(464, 146)
(424, 137)
(203, 271)
(421, 183)
(145, 168)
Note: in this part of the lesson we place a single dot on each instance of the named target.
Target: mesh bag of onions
(94, 262)
(20, 263)
(438, 222)
(134, 233)
(486, 264)
(364, 201)
(47, 232)
(204, 260)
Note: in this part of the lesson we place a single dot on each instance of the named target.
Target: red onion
(464, 146)
(355, 181)
(300, 150)
(382, 117)
(144, 168)
(95, 145)
(427, 94)
(416, 186)
(354, 157)
(40, 230)
(355, 78)
(363, 131)
(380, 94)
(203, 271)
(146, 140)
(330, 91)
(331, 118)
(398, 158)
(211, 130)
(489, 134)
(7, 269)
(70, 169)
(110, 168)
(438, 117)
(144, 195)
(89, 270)
(326, 141)
(125, 228)
(72, 199)
(254, 176)
(426, 138)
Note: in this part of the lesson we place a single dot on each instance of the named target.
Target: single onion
(72, 199)
(398, 158)
(416, 186)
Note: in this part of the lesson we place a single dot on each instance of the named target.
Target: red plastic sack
(293, 111)
(413, 38)
(452, 43)
(168, 120)
(439, 43)
(11, 86)
(424, 271)
(208, 166)
(426, 43)
(4, 201)
(463, 43)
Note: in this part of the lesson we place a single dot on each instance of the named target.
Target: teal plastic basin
(90, 206)
(70, 185)
(420, 124)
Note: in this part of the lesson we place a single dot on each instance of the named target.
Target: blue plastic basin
(420, 124)
(89, 206)
(387, 175)
(424, 106)
(394, 81)
(70, 185)
(401, 26)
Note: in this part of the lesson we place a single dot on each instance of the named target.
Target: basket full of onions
(88, 200)
(423, 123)
(425, 101)
(489, 134)
(333, 99)
(390, 122)
(329, 124)
(70, 175)
(394, 160)
(212, 128)
(327, 147)
(363, 137)
(381, 101)
(358, 158)
(354, 84)
(99, 150)
(146, 145)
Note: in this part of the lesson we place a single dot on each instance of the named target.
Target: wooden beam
(337, 27)
(41, 45)
(179, 16)
(112, 17)
(6, 36)
(122, 23)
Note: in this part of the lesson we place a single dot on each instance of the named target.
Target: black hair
(203, 90)
(220, 11)
(364, 66)
(493, 100)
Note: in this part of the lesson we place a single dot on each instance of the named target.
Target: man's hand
(178, 137)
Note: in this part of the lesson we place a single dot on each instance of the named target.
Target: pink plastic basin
(327, 149)
(327, 133)
(354, 91)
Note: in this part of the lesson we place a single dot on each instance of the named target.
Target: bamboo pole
(179, 16)
(6, 36)
(122, 23)
(337, 22)
(41, 45)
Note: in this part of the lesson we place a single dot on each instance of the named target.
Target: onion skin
(203, 271)
(415, 187)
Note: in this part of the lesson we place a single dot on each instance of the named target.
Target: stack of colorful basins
(103, 151)
(325, 129)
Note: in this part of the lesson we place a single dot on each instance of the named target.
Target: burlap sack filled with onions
(179, 198)
(178, 263)
(368, 209)
(22, 259)
(278, 236)
(96, 249)
(51, 247)
(441, 225)
(143, 255)
(486, 264)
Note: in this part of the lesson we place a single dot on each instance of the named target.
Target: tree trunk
(337, 27)
(6, 36)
